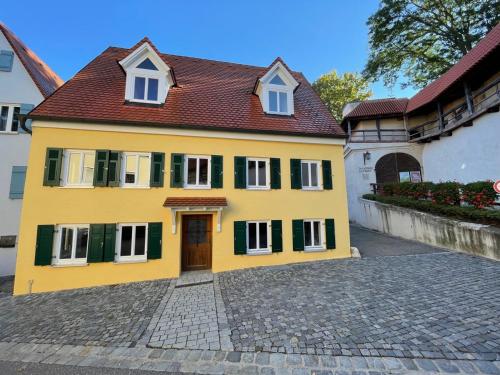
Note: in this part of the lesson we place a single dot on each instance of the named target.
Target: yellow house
(145, 165)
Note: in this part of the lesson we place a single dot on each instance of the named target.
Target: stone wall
(476, 239)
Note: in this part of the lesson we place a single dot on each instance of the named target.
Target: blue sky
(311, 36)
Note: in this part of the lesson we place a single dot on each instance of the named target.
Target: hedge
(471, 214)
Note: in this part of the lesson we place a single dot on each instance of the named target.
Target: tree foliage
(421, 39)
(338, 90)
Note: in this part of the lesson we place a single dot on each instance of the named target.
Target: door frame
(209, 217)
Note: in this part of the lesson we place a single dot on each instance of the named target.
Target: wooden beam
(440, 116)
(377, 124)
(468, 98)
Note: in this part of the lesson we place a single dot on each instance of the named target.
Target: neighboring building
(449, 131)
(146, 164)
(25, 81)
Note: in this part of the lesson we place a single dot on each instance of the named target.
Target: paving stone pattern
(112, 316)
(443, 305)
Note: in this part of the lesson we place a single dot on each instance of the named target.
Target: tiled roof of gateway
(487, 45)
(45, 79)
(195, 202)
(207, 95)
(378, 107)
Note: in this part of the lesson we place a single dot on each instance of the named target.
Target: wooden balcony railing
(382, 135)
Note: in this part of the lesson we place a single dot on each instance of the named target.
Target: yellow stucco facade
(61, 205)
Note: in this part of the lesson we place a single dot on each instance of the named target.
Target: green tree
(338, 90)
(421, 39)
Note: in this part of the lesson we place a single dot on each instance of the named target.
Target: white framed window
(79, 168)
(311, 176)
(136, 169)
(197, 171)
(71, 244)
(314, 234)
(258, 174)
(9, 118)
(258, 237)
(278, 101)
(132, 242)
(145, 83)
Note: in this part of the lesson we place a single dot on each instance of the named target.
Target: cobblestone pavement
(444, 305)
(113, 315)
(373, 244)
(237, 363)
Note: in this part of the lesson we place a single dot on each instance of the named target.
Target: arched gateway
(397, 167)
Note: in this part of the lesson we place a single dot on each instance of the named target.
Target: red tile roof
(208, 95)
(45, 79)
(378, 107)
(483, 49)
(195, 202)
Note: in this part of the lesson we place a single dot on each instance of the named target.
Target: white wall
(470, 154)
(360, 175)
(16, 87)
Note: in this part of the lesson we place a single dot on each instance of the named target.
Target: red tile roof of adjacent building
(378, 107)
(44, 78)
(477, 54)
(195, 202)
(210, 95)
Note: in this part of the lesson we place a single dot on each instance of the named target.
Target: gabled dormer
(148, 77)
(276, 90)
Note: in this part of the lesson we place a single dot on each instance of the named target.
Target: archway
(397, 167)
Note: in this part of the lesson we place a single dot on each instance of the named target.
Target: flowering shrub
(446, 193)
(479, 194)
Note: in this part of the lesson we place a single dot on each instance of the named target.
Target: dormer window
(148, 77)
(278, 102)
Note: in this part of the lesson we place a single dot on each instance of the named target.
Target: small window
(9, 118)
(6, 61)
(257, 173)
(147, 64)
(146, 89)
(136, 169)
(79, 167)
(132, 242)
(197, 172)
(258, 237)
(72, 244)
(276, 80)
(313, 234)
(278, 102)
(310, 174)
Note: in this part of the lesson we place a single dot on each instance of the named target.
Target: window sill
(312, 189)
(62, 265)
(315, 249)
(129, 261)
(194, 187)
(77, 187)
(8, 132)
(258, 188)
(133, 187)
(267, 252)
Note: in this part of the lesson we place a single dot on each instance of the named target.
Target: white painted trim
(131, 258)
(142, 129)
(267, 186)
(123, 163)
(174, 210)
(197, 186)
(10, 118)
(322, 235)
(56, 246)
(319, 175)
(65, 162)
(269, 247)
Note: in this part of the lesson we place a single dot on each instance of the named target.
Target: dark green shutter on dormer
(240, 172)
(44, 241)
(330, 233)
(217, 172)
(154, 240)
(157, 169)
(53, 162)
(275, 173)
(114, 168)
(101, 168)
(240, 237)
(109, 242)
(96, 243)
(277, 236)
(298, 235)
(295, 174)
(176, 170)
(327, 174)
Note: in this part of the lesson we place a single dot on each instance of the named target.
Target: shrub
(420, 190)
(479, 194)
(388, 189)
(446, 193)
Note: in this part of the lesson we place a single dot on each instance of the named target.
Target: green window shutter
(177, 170)
(330, 233)
(109, 242)
(327, 174)
(154, 240)
(295, 174)
(298, 235)
(53, 161)
(217, 171)
(101, 168)
(96, 243)
(44, 242)
(240, 237)
(240, 172)
(157, 169)
(114, 168)
(275, 173)
(277, 236)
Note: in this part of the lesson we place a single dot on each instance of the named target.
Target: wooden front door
(196, 242)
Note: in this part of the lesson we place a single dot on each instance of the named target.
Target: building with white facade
(449, 131)
(25, 81)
